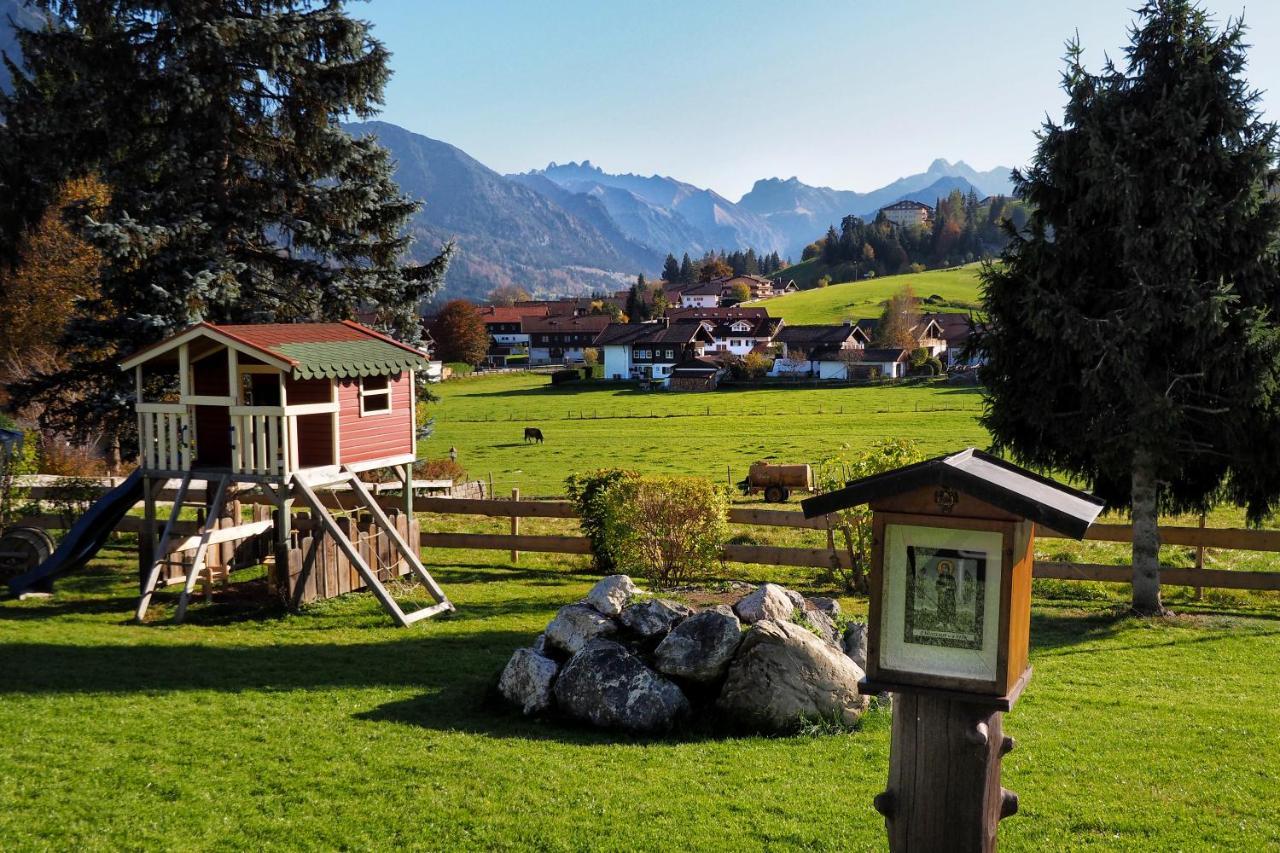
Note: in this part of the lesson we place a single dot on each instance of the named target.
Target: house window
(642, 353)
(375, 395)
(671, 354)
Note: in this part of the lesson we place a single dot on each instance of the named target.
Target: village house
(906, 213)
(561, 340)
(506, 336)
(822, 352)
(955, 329)
(650, 350)
(927, 333)
(735, 331)
(704, 295)
(695, 374)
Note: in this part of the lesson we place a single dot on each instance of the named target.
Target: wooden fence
(1200, 538)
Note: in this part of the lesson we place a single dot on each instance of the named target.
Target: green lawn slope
(957, 289)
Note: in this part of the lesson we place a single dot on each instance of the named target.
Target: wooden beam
(223, 534)
(503, 542)
(1209, 578)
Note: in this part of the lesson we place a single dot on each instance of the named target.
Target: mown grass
(248, 728)
(613, 425)
(958, 289)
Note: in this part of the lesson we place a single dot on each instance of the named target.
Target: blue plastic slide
(84, 538)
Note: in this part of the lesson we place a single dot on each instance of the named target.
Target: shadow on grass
(1058, 632)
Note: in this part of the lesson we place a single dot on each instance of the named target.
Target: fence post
(515, 525)
(1200, 560)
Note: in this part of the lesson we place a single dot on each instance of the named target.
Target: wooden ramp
(325, 520)
(200, 544)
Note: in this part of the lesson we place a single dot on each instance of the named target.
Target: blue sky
(842, 93)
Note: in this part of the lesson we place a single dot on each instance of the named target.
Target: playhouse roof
(306, 350)
(982, 475)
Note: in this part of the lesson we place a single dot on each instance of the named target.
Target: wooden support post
(944, 775)
(408, 490)
(284, 539)
(515, 526)
(147, 536)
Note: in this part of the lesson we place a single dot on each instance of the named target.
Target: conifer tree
(671, 269)
(1132, 335)
(687, 273)
(235, 193)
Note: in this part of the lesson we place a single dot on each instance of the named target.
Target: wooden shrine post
(948, 632)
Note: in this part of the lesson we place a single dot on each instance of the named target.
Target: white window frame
(377, 392)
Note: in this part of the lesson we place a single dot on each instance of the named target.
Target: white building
(906, 212)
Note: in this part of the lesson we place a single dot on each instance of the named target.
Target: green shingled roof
(340, 359)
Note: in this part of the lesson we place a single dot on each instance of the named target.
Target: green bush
(596, 515)
(668, 530)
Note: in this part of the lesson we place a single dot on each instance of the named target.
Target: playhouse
(292, 413)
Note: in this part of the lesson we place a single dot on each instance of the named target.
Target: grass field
(619, 426)
(251, 728)
(860, 299)
(330, 729)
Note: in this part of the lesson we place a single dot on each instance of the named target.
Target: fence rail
(1240, 539)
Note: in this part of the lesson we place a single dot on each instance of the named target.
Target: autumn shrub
(439, 469)
(596, 515)
(852, 526)
(756, 364)
(668, 530)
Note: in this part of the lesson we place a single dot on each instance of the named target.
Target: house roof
(955, 326)
(907, 204)
(565, 324)
(305, 350)
(760, 327)
(706, 288)
(512, 313)
(697, 366)
(986, 477)
(883, 355)
(681, 332)
(815, 335)
(695, 312)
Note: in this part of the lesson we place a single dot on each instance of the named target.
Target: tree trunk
(1146, 537)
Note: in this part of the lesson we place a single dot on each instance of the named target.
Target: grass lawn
(615, 425)
(331, 729)
(859, 299)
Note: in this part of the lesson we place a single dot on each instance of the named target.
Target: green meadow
(249, 727)
(955, 289)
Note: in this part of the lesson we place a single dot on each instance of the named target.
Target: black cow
(533, 433)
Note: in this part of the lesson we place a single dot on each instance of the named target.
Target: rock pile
(772, 661)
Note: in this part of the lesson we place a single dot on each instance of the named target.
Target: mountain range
(574, 228)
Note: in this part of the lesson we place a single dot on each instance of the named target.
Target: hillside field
(862, 299)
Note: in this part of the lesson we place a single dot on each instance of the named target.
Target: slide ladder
(198, 563)
(348, 548)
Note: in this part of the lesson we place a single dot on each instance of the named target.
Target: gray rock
(540, 644)
(653, 618)
(767, 601)
(783, 676)
(612, 594)
(829, 606)
(608, 686)
(575, 625)
(797, 600)
(854, 643)
(526, 681)
(825, 624)
(700, 647)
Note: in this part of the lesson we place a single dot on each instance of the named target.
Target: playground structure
(289, 413)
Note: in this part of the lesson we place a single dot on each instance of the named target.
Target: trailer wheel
(786, 494)
(775, 494)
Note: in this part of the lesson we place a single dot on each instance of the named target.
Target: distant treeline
(963, 230)
(714, 264)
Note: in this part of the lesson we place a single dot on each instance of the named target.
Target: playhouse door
(213, 437)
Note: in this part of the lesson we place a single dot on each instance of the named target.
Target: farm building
(650, 350)
(561, 339)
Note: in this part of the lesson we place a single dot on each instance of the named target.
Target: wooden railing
(164, 434)
(262, 440)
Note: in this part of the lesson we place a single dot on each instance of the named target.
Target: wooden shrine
(948, 631)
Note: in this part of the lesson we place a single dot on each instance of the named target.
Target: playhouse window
(375, 395)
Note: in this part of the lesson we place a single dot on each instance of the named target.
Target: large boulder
(783, 676)
(612, 594)
(824, 625)
(608, 686)
(526, 681)
(855, 643)
(700, 647)
(797, 600)
(829, 606)
(576, 625)
(767, 601)
(652, 618)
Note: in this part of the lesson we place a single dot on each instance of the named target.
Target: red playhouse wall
(374, 436)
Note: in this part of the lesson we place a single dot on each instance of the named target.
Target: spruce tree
(671, 269)
(1132, 336)
(687, 273)
(235, 195)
